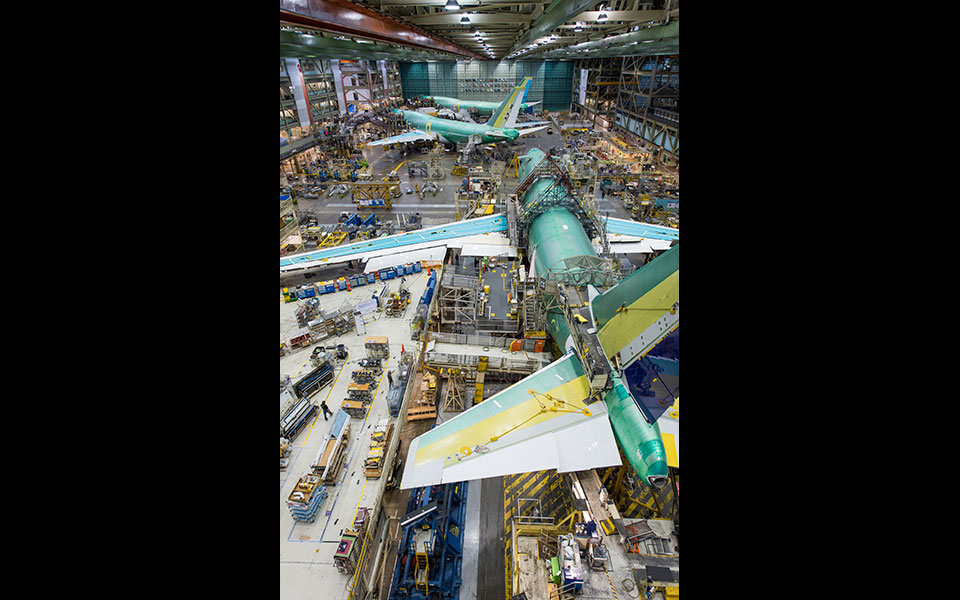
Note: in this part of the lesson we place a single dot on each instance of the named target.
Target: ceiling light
(602, 17)
(465, 19)
(452, 5)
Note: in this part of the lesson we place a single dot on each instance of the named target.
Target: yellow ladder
(422, 572)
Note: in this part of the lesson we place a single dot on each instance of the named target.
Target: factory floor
(307, 549)
(439, 209)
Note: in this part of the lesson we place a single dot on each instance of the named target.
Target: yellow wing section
(539, 423)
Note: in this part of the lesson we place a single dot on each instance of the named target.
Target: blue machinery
(431, 545)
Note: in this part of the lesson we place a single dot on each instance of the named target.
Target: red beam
(342, 16)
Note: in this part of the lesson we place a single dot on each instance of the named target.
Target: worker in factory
(590, 527)
(326, 411)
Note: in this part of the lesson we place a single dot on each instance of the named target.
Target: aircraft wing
(530, 124)
(411, 136)
(530, 130)
(490, 230)
(537, 423)
(640, 311)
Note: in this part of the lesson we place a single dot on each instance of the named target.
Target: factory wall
(490, 81)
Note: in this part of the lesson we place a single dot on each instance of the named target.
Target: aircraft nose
(512, 133)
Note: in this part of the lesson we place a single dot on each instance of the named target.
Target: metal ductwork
(301, 45)
(661, 39)
(558, 13)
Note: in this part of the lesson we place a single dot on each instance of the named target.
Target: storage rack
(314, 381)
(330, 458)
(305, 499)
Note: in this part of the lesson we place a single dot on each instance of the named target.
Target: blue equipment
(431, 547)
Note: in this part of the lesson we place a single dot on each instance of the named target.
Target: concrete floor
(439, 209)
(306, 549)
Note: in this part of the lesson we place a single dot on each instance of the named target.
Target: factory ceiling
(480, 29)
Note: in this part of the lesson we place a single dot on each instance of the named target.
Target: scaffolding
(458, 299)
(454, 390)
(373, 194)
(436, 162)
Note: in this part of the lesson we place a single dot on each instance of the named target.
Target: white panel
(487, 250)
(589, 445)
(632, 248)
(392, 260)
(659, 244)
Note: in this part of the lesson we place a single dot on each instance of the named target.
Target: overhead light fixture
(452, 5)
(578, 28)
(465, 19)
(602, 16)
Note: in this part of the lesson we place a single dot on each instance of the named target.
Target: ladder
(421, 574)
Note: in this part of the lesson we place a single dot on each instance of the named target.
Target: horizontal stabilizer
(524, 132)
(530, 124)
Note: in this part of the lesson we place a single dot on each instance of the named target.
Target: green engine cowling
(640, 441)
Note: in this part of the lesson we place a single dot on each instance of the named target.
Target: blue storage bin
(330, 286)
(371, 277)
(416, 267)
(408, 268)
(399, 270)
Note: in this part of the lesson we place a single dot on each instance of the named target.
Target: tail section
(506, 113)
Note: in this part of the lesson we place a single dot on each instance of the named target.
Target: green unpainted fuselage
(483, 108)
(556, 235)
(457, 131)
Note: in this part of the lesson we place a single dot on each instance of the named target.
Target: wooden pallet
(418, 413)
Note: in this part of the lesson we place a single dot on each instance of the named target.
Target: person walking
(326, 411)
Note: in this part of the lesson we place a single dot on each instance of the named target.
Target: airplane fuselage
(484, 108)
(457, 132)
(556, 235)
